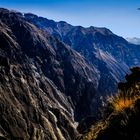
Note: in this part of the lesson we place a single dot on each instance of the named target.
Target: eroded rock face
(42, 83)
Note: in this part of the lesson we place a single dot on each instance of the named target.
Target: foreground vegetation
(122, 115)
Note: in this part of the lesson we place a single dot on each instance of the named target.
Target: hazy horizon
(122, 17)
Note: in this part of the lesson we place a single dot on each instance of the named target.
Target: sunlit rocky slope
(42, 82)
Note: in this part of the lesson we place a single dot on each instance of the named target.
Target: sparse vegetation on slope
(123, 119)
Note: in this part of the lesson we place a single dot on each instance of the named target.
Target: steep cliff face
(43, 83)
(110, 54)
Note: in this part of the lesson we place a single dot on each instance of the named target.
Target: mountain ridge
(97, 45)
(134, 40)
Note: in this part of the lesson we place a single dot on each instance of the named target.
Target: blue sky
(120, 16)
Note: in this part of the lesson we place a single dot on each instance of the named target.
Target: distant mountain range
(54, 74)
(110, 54)
(134, 40)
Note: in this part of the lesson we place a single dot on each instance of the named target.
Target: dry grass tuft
(122, 104)
(125, 99)
(95, 130)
